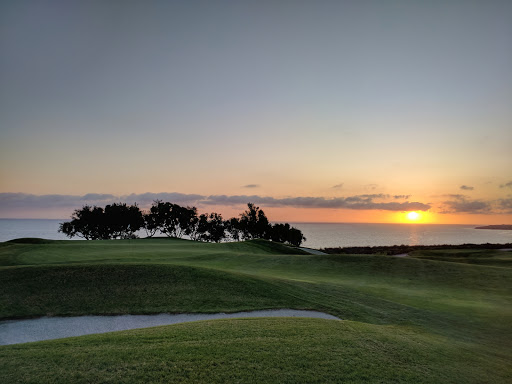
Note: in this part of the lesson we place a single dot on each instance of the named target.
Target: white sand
(47, 328)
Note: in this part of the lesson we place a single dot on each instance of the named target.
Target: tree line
(122, 221)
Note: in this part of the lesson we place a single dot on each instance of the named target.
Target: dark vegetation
(399, 249)
(121, 221)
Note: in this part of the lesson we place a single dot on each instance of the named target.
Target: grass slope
(131, 288)
(494, 258)
(249, 351)
(423, 319)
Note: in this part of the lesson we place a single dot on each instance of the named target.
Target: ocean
(319, 235)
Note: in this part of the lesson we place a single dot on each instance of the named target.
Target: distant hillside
(501, 226)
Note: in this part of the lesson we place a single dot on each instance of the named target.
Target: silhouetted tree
(86, 222)
(279, 232)
(254, 224)
(187, 220)
(95, 223)
(122, 221)
(174, 220)
(234, 228)
(295, 237)
(211, 227)
(283, 233)
(151, 225)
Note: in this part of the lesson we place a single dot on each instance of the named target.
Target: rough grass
(422, 319)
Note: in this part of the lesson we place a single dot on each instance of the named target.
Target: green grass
(132, 288)
(251, 351)
(426, 318)
(495, 258)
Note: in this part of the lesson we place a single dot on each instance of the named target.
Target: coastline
(502, 227)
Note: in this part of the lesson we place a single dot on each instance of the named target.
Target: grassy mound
(30, 240)
(132, 288)
(418, 319)
(159, 250)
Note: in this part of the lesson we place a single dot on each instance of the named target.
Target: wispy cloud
(454, 196)
(251, 186)
(337, 186)
(506, 185)
(460, 204)
(466, 188)
(371, 187)
(400, 197)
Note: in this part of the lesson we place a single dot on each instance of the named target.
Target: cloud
(461, 205)
(97, 196)
(173, 197)
(371, 187)
(23, 200)
(359, 198)
(359, 202)
(454, 196)
(12, 202)
(466, 188)
(398, 197)
(251, 186)
(506, 185)
(337, 186)
(506, 204)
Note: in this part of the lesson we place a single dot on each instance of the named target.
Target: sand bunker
(47, 328)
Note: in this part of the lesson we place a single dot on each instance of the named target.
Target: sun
(413, 216)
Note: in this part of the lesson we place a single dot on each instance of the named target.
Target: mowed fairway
(428, 319)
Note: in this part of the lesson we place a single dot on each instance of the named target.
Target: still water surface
(319, 235)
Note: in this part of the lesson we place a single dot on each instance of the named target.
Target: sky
(317, 111)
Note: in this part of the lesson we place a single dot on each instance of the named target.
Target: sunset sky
(328, 111)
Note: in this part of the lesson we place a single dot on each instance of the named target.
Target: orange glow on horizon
(415, 217)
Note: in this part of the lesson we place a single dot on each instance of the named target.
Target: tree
(86, 222)
(172, 219)
(187, 219)
(295, 237)
(279, 232)
(122, 221)
(212, 227)
(150, 222)
(234, 228)
(283, 233)
(94, 223)
(254, 223)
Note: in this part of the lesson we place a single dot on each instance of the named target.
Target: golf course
(441, 316)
